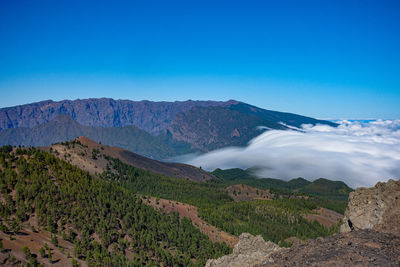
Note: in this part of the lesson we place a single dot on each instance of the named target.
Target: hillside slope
(216, 127)
(276, 116)
(87, 219)
(87, 154)
(214, 200)
(108, 222)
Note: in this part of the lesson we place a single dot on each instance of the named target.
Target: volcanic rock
(249, 251)
(375, 208)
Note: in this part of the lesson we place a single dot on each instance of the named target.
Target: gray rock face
(152, 117)
(375, 208)
(249, 251)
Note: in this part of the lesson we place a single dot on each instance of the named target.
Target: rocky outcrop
(375, 208)
(249, 251)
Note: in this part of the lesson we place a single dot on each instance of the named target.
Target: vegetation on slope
(70, 202)
(76, 152)
(275, 219)
(109, 224)
(236, 175)
(152, 184)
(217, 208)
(329, 194)
(328, 189)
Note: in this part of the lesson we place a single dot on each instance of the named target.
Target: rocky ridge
(150, 116)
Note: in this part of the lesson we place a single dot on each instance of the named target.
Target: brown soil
(189, 211)
(325, 217)
(242, 192)
(80, 157)
(34, 241)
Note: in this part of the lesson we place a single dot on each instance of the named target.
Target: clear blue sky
(327, 59)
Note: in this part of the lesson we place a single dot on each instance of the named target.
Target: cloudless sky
(326, 59)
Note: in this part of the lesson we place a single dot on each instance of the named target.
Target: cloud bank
(358, 153)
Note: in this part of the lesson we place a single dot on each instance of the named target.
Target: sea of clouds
(358, 153)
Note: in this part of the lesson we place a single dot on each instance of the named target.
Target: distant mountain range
(64, 128)
(159, 130)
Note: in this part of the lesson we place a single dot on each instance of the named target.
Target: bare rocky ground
(12, 252)
(358, 248)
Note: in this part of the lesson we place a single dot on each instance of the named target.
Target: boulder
(375, 208)
(249, 251)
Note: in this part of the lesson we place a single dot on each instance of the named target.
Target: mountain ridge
(108, 112)
(105, 112)
(165, 129)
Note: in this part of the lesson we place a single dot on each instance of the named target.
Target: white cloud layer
(360, 154)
